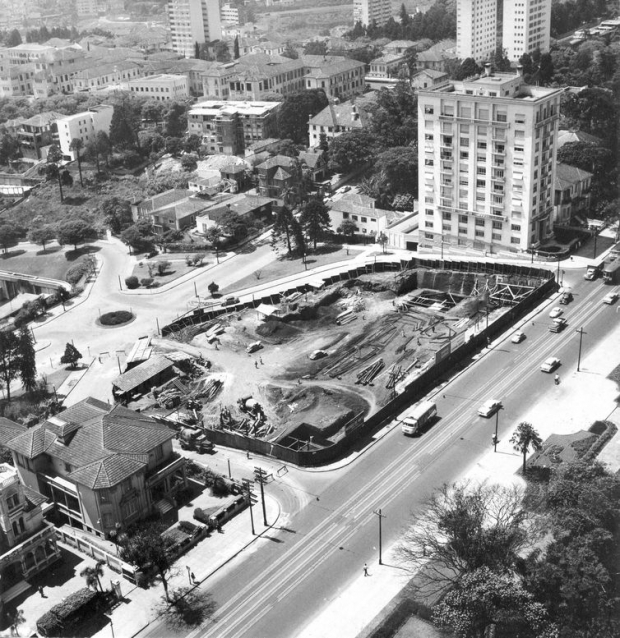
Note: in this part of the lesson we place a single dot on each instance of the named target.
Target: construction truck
(194, 439)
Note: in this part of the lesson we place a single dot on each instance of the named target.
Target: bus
(611, 272)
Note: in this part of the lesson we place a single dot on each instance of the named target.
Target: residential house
(38, 132)
(277, 175)
(572, 136)
(314, 159)
(572, 194)
(27, 542)
(429, 79)
(178, 215)
(242, 204)
(17, 81)
(437, 56)
(100, 465)
(143, 209)
(399, 47)
(336, 119)
(361, 210)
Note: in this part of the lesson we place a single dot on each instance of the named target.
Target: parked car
(566, 298)
(317, 354)
(489, 408)
(253, 347)
(558, 325)
(550, 364)
(230, 301)
(518, 337)
(610, 298)
(556, 312)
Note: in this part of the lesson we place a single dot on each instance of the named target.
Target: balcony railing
(160, 472)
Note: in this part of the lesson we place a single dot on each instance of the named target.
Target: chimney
(487, 69)
(520, 70)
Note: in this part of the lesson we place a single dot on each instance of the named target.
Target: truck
(611, 273)
(420, 415)
(592, 272)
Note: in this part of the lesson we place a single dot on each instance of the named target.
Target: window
(104, 496)
(429, 211)
(515, 227)
(364, 220)
(464, 155)
(480, 222)
(428, 137)
(480, 183)
(515, 240)
(462, 230)
(355, 218)
(483, 114)
(446, 228)
(464, 141)
(462, 219)
(496, 236)
(447, 215)
(481, 170)
(429, 110)
(429, 162)
(482, 130)
(13, 501)
(429, 235)
(497, 225)
(463, 181)
(482, 145)
(479, 233)
(428, 224)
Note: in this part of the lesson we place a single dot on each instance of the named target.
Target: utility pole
(581, 333)
(260, 477)
(381, 516)
(251, 500)
(496, 428)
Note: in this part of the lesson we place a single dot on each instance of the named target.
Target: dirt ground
(385, 339)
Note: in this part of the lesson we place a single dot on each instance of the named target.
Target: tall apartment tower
(193, 21)
(365, 11)
(476, 28)
(487, 159)
(526, 27)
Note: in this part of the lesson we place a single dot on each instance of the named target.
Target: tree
(189, 162)
(174, 146)
(117, 213)
(92, 153)
(139, 237)
(592, 110)
(125, 123)
(348, 228)
(213, 288)
(66, 178)
(525, 437)
(76, 232)
(214, 236)
(162, 266)
(93, 574)
(500, 60)
(395, 116)
(221, 51)
(296, 110)
(104, 145)
(14, 38)
(17, 358)
(397, 170)
(233, 224)
(187, 607)
(236, 53)
(18, 619)
(315, 220)
(9, 236)
(488, 603)
(192, 144)
(41, 235)
(382, 239)
(71, 356)
(175, 120)
(352, 150)
(282, 232)
(52, 168)
(77, 145)
(411, 60)
(290, 51)
(463, 527)
(316, 48)
(148, 548)
(286, 147)
(467, 69)
(9, 147)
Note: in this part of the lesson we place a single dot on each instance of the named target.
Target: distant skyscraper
(527, 26)
(193, 21)
(365, 11)
(476, 28)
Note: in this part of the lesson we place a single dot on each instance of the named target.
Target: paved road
(325, 545)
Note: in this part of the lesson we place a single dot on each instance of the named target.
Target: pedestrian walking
(192, 578)
(261, 360)
(256, 364)
(42, 592)
(366, 569)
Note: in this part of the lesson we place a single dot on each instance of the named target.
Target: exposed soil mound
(277, 331)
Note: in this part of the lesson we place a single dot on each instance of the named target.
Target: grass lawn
(52, 263)
(284, 267)
(177, 268)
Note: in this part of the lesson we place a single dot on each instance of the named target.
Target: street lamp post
(501, 407)
(381, 516)
(581, 333)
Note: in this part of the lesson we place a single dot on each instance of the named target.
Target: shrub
(221, 487)
(76, 272)
(183, 247)
(69, 612)
(115, 318)
(132, 282)
(201, 515)
(189, 528)
(162, 266)
(146, 282)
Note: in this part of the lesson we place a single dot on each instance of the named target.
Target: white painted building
(229, 14)
(476, 28)
(365, 11)
(191, 22)
(163, 87)
(84, 126)
(487, 163)
(526, 27)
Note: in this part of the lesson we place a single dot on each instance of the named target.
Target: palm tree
(524, 437)
(92, 575)
(77, 145)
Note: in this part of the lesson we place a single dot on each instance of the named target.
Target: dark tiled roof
(109, 471)
(143, 372)
(33, 442)
(9, 430)
(33, 498)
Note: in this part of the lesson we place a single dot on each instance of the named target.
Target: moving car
(417, 418)
(518, 337)
(550, 364)
(556, 312)
(558, 325)
(490, 407)
(231, 301)
(566, 298)
(317, 354)
(610, 298)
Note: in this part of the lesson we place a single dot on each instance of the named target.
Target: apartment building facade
(191, 22)
(163, 88)
(367, 11)
(526, 27)
(476, 28)
(229, 127)
(487, 163)
(83, 126)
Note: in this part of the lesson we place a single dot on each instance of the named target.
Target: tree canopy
(296, 110)
(17, 359)
(76, 232)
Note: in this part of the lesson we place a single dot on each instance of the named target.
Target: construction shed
(152, 372)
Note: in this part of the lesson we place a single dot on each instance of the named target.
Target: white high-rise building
(476, 28)
(487, 155)
(193, 21)
(365, 11)
(527, 27)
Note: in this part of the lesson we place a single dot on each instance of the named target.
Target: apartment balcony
(161, 471)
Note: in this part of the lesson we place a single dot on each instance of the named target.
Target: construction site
(302, 371)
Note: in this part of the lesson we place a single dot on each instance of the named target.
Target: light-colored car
(556, 312)
(610, 298)
(317, 354)
(489, 408)
(558, 325)
(550, 364)
(518, 337)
